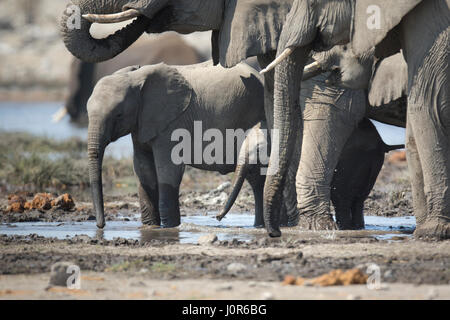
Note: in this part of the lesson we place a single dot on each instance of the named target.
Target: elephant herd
(327, 65)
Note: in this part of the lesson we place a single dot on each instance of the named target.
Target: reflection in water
(148, 234)
(100, 234)
(235, 226)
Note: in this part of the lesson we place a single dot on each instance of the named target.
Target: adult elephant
(232, 38)
(169, 48)
(421, 29)
(232, 41)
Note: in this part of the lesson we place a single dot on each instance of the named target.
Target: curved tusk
(286, 53)
(312, 70)
(112, 18)
(59, 115)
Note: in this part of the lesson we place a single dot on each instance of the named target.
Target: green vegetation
(37, 163)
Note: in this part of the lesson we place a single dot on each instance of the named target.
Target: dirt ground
(162, 268)
(127, 269)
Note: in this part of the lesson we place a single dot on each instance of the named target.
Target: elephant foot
(317, 222)
(274, 233)
(436, 229)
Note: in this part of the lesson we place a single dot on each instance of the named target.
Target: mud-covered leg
(322, 146)
(144, 166)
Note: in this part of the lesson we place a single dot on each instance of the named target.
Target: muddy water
(235, 226)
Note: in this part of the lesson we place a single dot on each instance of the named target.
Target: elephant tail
(238, 180)
(388, 148)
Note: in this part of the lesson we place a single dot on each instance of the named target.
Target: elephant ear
(389, 81)
(249, 28)
(373, 19)
(166, 94)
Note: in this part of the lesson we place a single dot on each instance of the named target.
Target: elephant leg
(256, 181)
(429, 116)
(323, 142)
(358, 214)
(431, 137)
(144, 166)
(416, 177)
(343, 209)
(169, 179)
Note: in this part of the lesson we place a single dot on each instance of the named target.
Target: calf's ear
(166, 95)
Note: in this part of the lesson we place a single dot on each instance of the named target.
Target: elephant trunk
(76, 31)
(238, 181)
(288, 124)
(96, 150)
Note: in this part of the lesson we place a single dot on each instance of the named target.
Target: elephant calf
(158, 104)
(356, 173)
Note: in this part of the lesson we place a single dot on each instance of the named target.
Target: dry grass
(35, 163)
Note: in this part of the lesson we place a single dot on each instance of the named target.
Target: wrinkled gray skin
(385, 80)
(151, 102)
(421, 29)
(169, 48)
(356, 173)
(354, 177)
(331, 115)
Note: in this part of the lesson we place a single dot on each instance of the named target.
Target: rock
(42, 201)
(15, 204)
(353, 297)
(59, 275)
(207, 239)
(236, 267)
(64, 202)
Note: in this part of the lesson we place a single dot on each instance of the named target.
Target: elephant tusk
(312, 70)
(112, 18)
(286, 53)
(59, 115)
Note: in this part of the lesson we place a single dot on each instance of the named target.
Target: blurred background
(39, 77)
